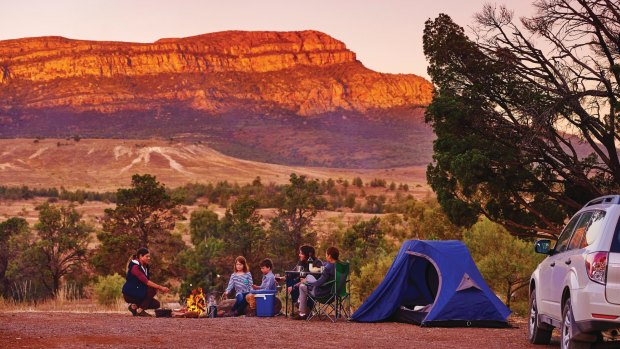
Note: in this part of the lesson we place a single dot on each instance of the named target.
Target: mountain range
(295, 98)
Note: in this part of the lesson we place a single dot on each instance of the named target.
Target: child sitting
(268, 283)
(241, 281)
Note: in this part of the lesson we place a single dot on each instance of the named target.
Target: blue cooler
(265, 301)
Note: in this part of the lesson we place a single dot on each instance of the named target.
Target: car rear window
(615, 244)
(595, 229)
(562, 244)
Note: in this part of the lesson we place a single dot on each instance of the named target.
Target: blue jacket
(133, 286)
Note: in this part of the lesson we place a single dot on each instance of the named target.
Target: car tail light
(596, 266)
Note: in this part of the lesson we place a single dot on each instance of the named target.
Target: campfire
(196, 302)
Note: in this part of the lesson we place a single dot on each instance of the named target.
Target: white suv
(577, 287)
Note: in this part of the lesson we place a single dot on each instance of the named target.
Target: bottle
(310, 262)
(212, 310)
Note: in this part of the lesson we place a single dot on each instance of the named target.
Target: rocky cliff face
(305, 73)
(297, 98)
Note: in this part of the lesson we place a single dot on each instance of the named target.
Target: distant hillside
(107, 164)
(297, 98)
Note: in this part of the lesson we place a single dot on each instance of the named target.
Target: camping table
(295, 274)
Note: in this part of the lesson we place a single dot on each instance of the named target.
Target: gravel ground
(113, 330)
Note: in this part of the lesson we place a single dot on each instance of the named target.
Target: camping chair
(343, 293)
(328, 306)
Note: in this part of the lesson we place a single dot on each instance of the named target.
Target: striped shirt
(241, 283)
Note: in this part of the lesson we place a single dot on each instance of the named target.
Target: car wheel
(566, 331)
(537, 335)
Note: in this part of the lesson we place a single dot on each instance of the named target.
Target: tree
(505, 261)
(144, 216)
(9, 228)
(62, 244)
(203, 224)
(242, 230)
(201, 266)
(297, 207)
(362, 240)
(526, 133)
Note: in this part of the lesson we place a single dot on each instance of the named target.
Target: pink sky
(386, 35)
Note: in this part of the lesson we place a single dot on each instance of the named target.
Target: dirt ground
(113, 330)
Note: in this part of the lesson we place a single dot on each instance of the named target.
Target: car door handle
(552, 264)
(567, 262)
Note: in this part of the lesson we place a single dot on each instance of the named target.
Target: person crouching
(138, 290)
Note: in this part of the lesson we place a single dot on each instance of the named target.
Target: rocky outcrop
(305, 73)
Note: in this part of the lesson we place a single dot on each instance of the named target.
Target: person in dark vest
(138, 290)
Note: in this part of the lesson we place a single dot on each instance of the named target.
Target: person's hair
(307, 251)
(266, 263)
(333, 252)
(241, 260)
(141, 252)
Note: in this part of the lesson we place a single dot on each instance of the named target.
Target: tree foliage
(297, 206)
(144, 216)
(59, 248)
(8, 229)
(505, 261)
(526, 130)
(243, 232)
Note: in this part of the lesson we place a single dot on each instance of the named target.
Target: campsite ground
(110, 330)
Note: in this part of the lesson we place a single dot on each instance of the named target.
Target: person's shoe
(300, 317)
(143, 313)
(132, 310)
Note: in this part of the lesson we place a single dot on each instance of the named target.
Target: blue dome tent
(434, 283)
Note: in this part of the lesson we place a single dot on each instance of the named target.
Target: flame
(196, 301)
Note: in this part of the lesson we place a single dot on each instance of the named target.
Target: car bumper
(591, 300)
(589, 326)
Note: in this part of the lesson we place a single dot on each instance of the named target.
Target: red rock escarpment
(304, 72)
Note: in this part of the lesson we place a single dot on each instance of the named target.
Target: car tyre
(566, 330)
(537, 334)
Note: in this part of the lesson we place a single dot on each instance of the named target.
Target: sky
(386, 35)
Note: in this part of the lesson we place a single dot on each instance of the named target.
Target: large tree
(61, 246)
(297, 206)
(525, 115)
(144, 216)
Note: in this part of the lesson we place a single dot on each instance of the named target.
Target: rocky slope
(210, 87)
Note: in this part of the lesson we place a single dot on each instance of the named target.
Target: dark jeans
(240, 303)
(145, 303)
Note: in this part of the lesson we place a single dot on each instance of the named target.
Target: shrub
(108, 289)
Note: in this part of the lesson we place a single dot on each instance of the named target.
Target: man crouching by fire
(138, 290)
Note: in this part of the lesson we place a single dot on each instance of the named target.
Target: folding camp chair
(343, 293)
(329, 306)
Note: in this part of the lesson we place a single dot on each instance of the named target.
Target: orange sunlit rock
(304, 72)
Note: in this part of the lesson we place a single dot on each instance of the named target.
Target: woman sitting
(306, 256)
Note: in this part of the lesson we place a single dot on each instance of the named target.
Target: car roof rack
(608, 199)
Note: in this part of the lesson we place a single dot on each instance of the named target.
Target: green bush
(108, 289)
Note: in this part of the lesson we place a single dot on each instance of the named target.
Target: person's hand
(254, 287)
(164, 289)
(290, 289)
(225, 294)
